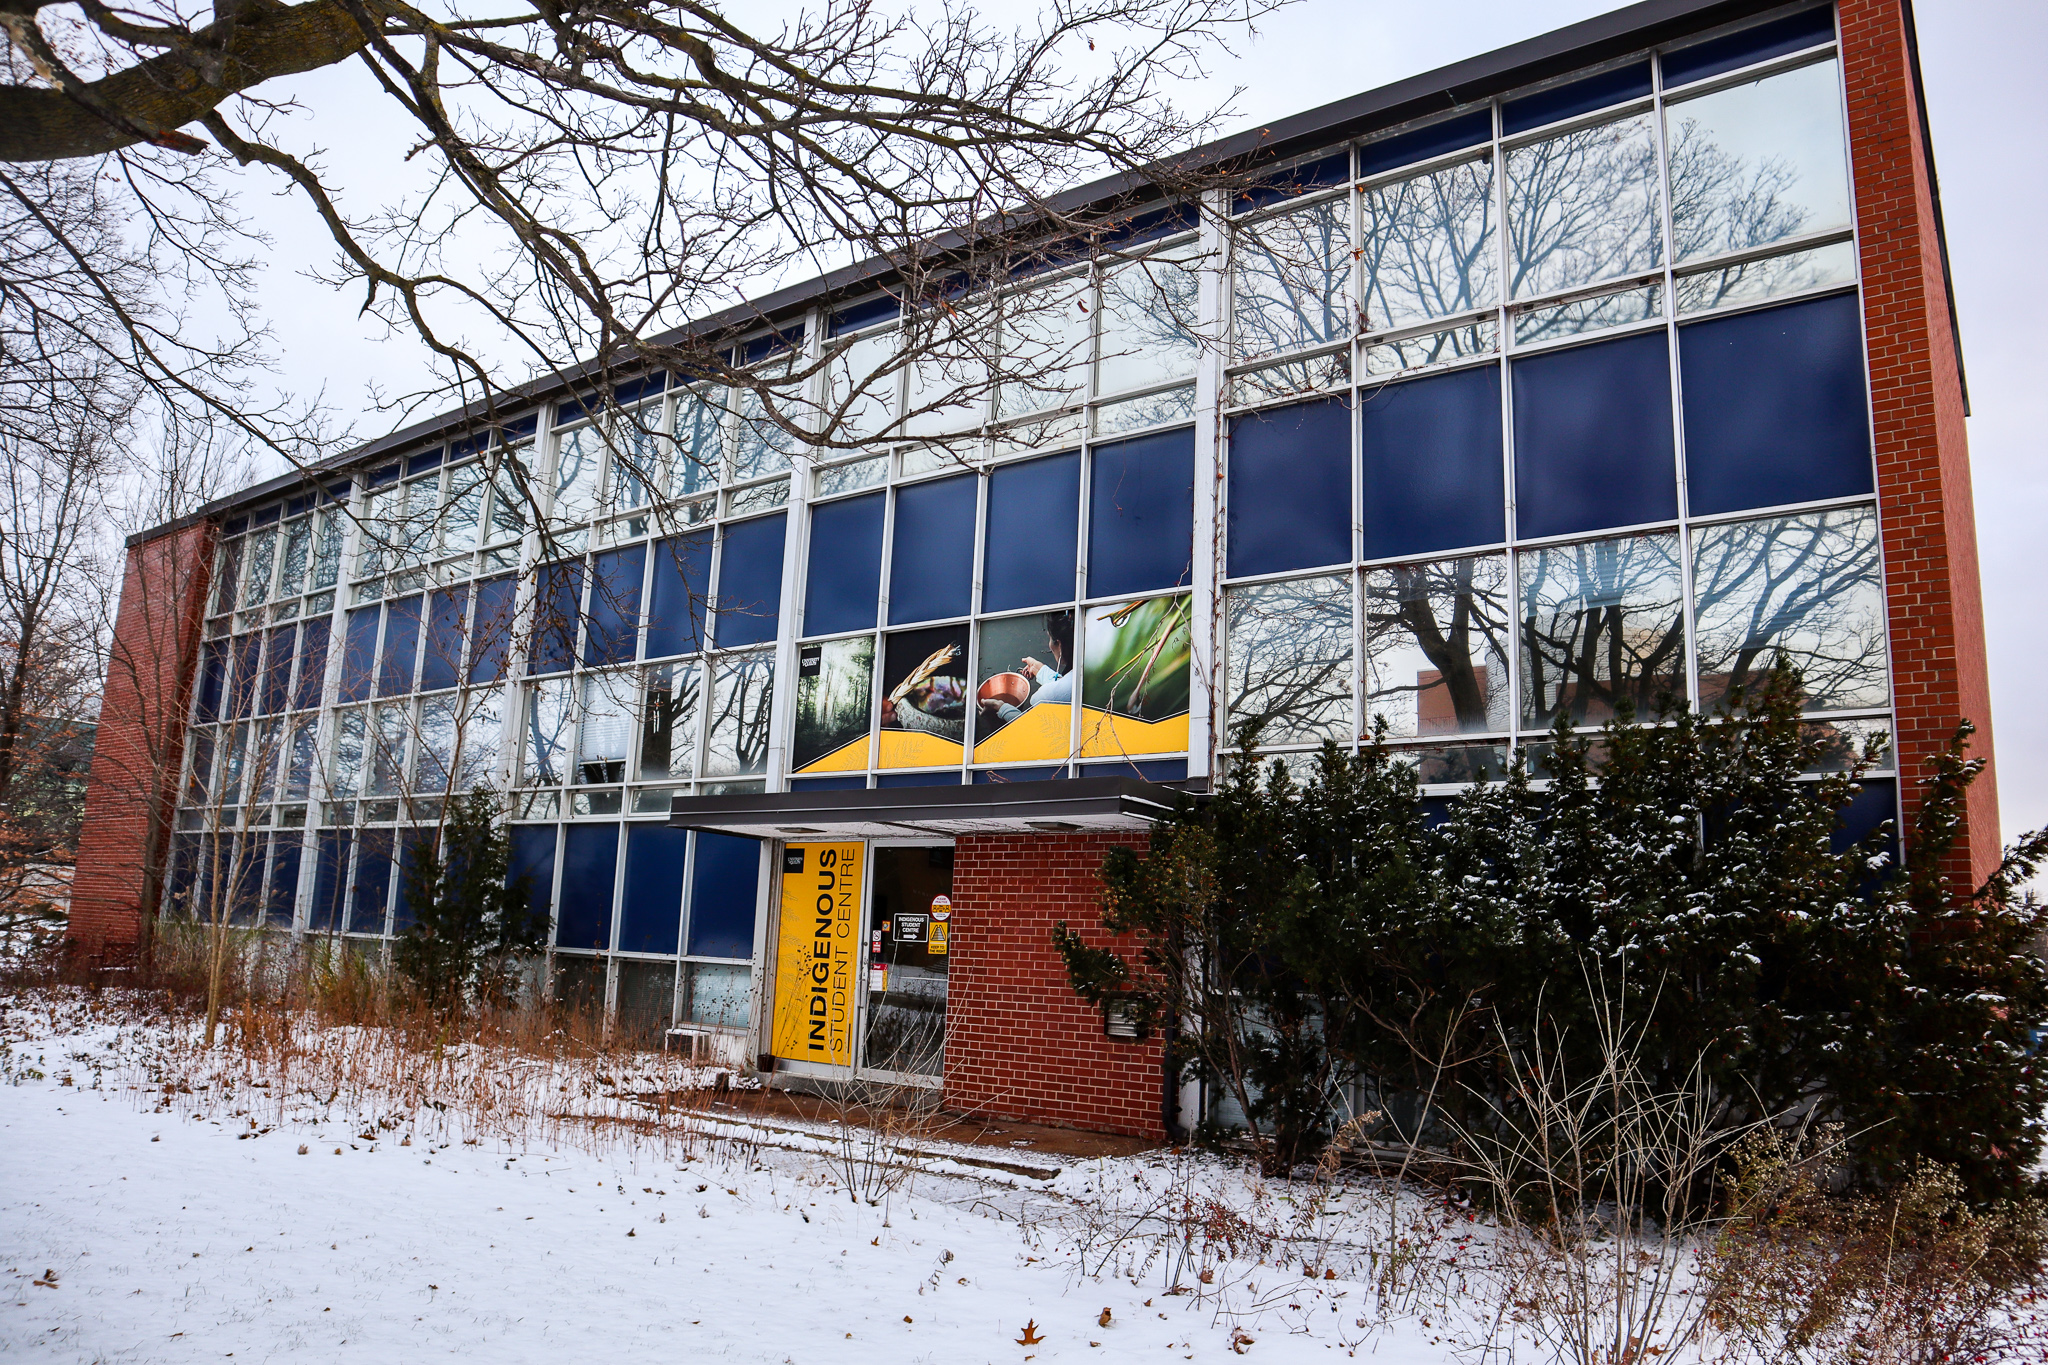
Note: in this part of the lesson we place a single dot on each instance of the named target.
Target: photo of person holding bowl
(1025, 661)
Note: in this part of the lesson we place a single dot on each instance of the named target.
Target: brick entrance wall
(1935, 607)
(1019, 1043)
(136, 757)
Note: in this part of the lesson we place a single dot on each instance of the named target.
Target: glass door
(909, 937)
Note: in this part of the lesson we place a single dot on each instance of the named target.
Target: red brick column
(1019, 1043)
(132, 789)
(1936, 609)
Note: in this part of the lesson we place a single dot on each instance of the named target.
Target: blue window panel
(312, 662)
(213, 667)
(421, 463)
(266, 516)
(760, 348)
(490, 634)
(750, 582)
(401, 646)
(245, 906)
(1141, 514)
(373, 883)
(380, 477)
(275, 693)
(590, 857)
(1453, 134)
(1593, 438)
(1153, 770)
(723, 886)
(826, 784)
(843, 578)
(615, 606)
(286, 853)
(948, 778)
(1432, 464)
(865, 314)
(358, 654)
(330, 872)
(1869, 808)
(651, 906)
(1334, 169)
(246, 655)
(442, 666)
(533, 859)
(1775, 406)
(183, 875)
(1795, 33)
(632, 391)
(557, 603)
(931, 557)
(682, 588)
(996, 776)
(410, 845)
(1579, 97)
(1290, 488)
(1034, 533)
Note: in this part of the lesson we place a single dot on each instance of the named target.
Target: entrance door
(909, 934)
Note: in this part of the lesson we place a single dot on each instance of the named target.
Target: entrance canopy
(1055, 807)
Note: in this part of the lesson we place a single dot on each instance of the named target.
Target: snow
(184, 1233)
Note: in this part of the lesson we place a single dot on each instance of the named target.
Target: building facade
(1614, 365)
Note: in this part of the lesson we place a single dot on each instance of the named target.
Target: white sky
(1982, 60)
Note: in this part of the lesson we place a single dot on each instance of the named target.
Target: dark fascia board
(1588, 43)
(1006, 802)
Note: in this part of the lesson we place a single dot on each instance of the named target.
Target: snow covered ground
(135, 1228)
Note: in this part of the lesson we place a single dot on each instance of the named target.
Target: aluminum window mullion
(1209, 639)
(1504, 342)
(1675, 380)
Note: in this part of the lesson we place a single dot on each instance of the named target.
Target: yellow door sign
(939, 933)
(815, 952)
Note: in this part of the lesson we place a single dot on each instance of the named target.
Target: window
(931, 558)
(1583, 207)
(367, 906)
(1289, 651)
(1033, 531)
(843, 579)
(749, 582)
(590, 861)
(1047, 339)
(1775, 406)
(1432, 463)
(724, 887)
(1758, 163)
(1593, 443)
(1581, 96)
(742, 686)
(1601, 628)
(1149, 325)
(490, 633)
(401, 647)
(607, 728)
(262, 553)
(1436, 643)
(1290, 488)
(1135, 678)
(548, 714)
(447, 610)
(614, 627)
(579, 457)
(1141, 514)
(668, 723)
(651, 905)
(1802, 589)
(860, 386)
(924, 698)
(1291, 279)
(1429, 249)
(482, 730)
(557, 611)
(275, 693)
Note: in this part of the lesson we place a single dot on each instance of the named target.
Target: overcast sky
(1987, 101)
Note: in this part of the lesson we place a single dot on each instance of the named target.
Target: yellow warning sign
(815, 952)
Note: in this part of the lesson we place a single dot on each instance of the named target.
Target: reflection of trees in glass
(1149, 322)
(548, 714)
(834, 692)
(1590, 315)
(1601, 625)
(1757, 163)
(1429, 248)
(1135, 658)
(1802, 588)
(607, 728)
(1582, 207)
(1753, 280)
(1290, 274)
(1431, 348)
(1290, 659)
(742, 687)
(1154, 409)
(668, 723)
(1436, 639)
(1046, 334)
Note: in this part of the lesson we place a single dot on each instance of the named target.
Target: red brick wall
(131, 789)
(1939, 673)
(1019, 1043)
